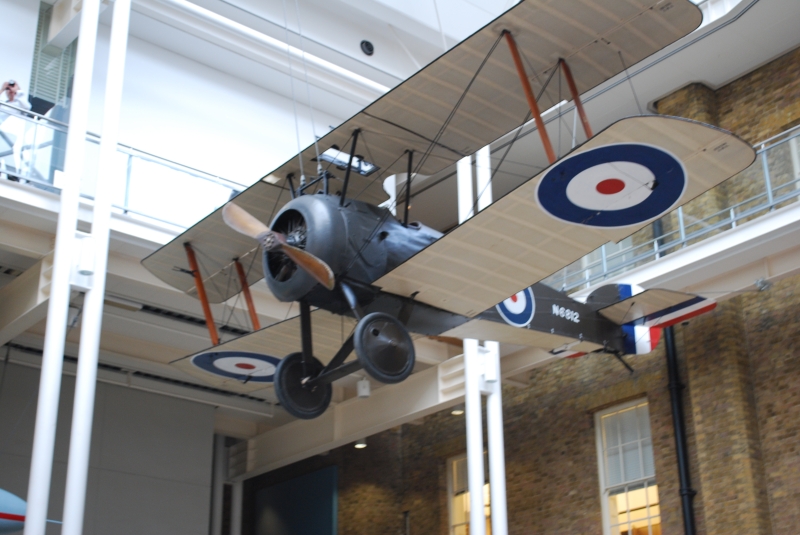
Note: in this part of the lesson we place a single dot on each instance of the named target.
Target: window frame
(601, 458)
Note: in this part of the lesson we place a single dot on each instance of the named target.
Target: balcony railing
(32, 150)
(771, 182)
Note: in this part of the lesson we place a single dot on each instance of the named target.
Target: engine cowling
(313, 223)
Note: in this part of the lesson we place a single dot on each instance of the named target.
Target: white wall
(150, 468)
(17, 40)
(187, 112)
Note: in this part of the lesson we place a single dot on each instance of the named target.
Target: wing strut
(251, 308)
(576, 97)
(201, 293)
(526, 87)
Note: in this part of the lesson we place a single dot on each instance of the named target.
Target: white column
(474, 416)
(483, 170)
(464, 182)
(494, 424)
(52, 359)
(86, 377)
(236, 508)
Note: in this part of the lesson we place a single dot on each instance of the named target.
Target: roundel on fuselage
(518, 310)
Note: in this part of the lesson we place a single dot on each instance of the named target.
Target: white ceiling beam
(25, 300)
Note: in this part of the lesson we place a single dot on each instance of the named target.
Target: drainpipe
(679, 425)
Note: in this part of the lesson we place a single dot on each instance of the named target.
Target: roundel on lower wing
(613, 185)
(240, 365)
(518, 310)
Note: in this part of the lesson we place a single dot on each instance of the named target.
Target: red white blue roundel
(613, 185)
(518, 310)
(240, 365)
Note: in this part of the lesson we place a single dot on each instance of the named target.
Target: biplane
(355, 268)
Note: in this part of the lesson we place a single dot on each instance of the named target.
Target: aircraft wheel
(384, 347)
(299, 400)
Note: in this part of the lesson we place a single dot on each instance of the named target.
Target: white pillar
(494, 424)
(474, 417)
(483, 170)
(464, 181)
(236, 508)
(52, 358)
(86, 377)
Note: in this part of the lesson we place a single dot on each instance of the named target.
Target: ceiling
(406, 35)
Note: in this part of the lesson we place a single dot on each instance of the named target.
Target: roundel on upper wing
(613, 185)
(240, 365)
(518, 310)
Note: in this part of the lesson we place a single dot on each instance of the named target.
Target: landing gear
(384, 347)
(299, 398)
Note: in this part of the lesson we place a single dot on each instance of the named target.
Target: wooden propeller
(241, 221)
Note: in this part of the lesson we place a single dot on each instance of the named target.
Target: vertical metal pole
(474, 417)
(349, 167)
(408, 187)
(494, 424)
(248, 297)
(681, 226)
(679, 426)
(526, 87)
(576, 97)
(55, 333)
(767, 181)
(86, 377)
(201, 294)
(483, 171)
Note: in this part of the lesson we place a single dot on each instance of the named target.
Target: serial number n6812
(566, 313)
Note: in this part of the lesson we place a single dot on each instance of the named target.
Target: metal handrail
(593, 271)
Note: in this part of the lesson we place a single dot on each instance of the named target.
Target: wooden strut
(251, 307)
(526, 87)
(201, 294)
(576, 98)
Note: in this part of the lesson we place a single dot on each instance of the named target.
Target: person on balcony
(12, 126)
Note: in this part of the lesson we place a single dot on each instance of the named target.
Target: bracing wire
(294, 99)
(628, 77)
(308, 86)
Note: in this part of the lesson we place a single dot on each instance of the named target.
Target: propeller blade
(311, 264)
(241, 221)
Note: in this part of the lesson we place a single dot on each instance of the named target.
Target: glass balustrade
(32, 150)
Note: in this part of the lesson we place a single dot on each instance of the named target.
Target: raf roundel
(613, 185)
(239, 365)
(518, 310)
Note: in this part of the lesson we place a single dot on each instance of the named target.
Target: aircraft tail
(643, 313)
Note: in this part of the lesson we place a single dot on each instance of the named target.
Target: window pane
(614, 468)
(610, 430)
(649, 463)
(631, 462)
(644, 420)
(459, 476)
(629, 426)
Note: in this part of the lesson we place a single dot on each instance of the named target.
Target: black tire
(298, 400)
(384, 347)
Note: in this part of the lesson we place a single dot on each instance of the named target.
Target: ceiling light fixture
(361, 444)
(458, 410)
